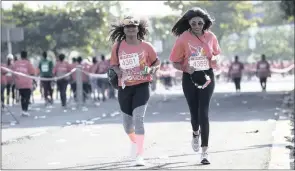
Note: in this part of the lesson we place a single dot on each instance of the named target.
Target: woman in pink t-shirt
(134, 61)
(24, 84)
(193, 53)
(263, 71)
(60, 69)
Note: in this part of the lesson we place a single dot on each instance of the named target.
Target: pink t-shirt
(189, 50)
(103, 66)
(23, 66)
(85, 67)
(61, 68)
(3, 75)
(132, 60)
(263, 69)
(9, 75)
(235, 69)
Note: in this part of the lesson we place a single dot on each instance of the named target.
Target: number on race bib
(199, 63)
(130, 62)
(44, 67)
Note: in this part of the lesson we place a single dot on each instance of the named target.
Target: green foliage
(275, 42)
(81, 25)
(230, 16)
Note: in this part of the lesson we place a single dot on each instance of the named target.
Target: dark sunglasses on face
(130, 26)
(195, 24)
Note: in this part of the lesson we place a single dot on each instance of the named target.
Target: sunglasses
(195, 24)
(130, 22)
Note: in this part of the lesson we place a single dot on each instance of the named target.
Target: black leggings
(198, 102)
(263, 83)
(62, 87)
(132, 97)
(237, 82)
(85, 90)
(10, 87)
(25, 95)
(47, 89)
(2, 94)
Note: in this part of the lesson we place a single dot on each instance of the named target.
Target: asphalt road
(241, 129)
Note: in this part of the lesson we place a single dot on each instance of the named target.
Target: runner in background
(103, 83)
(134, 65)
(93, 80)
(263, 71)
(3, 84)
(72, 82)
(85, 79)
(10, 87)
(165, 74)
(235, 73)
(45, 68)
(24, 84)
(60, 69)
(194, 53)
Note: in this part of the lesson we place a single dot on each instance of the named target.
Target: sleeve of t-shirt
(178, 51)
(152, 54)
(114, 58)
(54, 69)
(216, 47)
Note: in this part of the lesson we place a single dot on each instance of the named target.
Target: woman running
(263, 71)
(60, 69)
(194, 53)
(134, 63)
(24, 84)
(10, 87)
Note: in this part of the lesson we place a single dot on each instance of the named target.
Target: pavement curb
(280, 155)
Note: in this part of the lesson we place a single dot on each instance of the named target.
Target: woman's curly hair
(183, 25)
(117, 31)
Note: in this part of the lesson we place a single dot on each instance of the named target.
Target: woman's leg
(204, 105)
(139, 105)
(191, 94)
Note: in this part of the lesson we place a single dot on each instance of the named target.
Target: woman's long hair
(183, 25)
(117, 31)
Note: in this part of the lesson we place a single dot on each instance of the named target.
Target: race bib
(129, 61)
(199, 63)
(44, 68)
(262, 66)
(236, 67)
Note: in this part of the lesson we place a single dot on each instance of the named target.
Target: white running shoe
(204, 158)
(133, 148)
(195, 143)
(25, 114)
(139, 161)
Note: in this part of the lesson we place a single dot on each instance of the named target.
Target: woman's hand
(189, 69)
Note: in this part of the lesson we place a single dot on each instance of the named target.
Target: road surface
(241, 127)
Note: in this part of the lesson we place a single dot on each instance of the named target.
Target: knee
(128, 124)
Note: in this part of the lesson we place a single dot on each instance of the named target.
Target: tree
(230, 16)
(161, 30)
(79, 25)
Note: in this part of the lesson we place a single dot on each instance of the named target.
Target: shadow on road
(125, 164)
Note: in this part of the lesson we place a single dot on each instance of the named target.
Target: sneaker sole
(205, 162)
